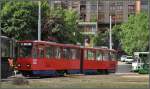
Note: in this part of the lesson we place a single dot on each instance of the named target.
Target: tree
(102, 39)
(19, 19)
(62, 25)
(116, 37)
(134, 34)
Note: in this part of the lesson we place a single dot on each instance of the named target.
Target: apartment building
(100, 10)
(94, 14)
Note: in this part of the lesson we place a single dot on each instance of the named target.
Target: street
(123, 68)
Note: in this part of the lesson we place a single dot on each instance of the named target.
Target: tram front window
(25, 51)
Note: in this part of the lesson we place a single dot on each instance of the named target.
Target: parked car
(129, 59)
(123, 57)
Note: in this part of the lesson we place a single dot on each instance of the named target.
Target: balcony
(88, 27)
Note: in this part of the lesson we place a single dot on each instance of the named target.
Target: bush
(20, 81)
(143, 71)
(136, 70)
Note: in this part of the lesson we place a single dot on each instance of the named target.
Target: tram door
(41, 54)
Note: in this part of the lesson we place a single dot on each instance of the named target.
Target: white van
(138, 62)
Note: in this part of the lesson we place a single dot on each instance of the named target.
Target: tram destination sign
(26, 44)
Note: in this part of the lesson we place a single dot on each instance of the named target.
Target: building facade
(98, 11)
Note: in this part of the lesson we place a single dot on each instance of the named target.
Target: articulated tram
(42, 58)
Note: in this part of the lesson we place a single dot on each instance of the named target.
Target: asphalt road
(123, 68)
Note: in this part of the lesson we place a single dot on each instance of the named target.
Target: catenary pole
(110, 34)
(39, 21)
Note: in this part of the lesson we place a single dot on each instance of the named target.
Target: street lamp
(39, 21)
(110, 34)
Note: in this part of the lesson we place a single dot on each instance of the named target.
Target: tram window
(90, 55)
(57, 52)
(75, 54)
(105, 56)
(144, 58)
(34, 53)
(99, 56)
(113, 56)
(41, 52)
(78, 54)
(49, 52)
(66, 53)
(25, 51)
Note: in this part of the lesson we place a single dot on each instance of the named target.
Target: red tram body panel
(45, 58)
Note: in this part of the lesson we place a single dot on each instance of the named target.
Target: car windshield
(123, 56)
(129, 58)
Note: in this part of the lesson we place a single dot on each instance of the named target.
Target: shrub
(143, 71)
(20, 81)
(136, 71)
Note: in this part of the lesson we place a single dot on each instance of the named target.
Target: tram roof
(102, 49)
(5, 37)
(68, 45)
(51, 43)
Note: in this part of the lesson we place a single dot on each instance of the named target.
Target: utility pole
(0, 43)
(39, 21)
(110, 34)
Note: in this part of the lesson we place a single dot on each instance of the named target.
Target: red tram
(41, 58)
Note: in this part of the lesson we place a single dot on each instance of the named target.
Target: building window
(101, 16)
(100, 8)
(119, 7)
(119, 17)
(82, 2)
(131, 8)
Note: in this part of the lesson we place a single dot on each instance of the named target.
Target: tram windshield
(25, 51)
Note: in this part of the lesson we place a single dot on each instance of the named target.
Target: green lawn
(90, 81)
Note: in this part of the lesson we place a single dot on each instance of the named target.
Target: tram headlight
(19, 65)
(28, 65)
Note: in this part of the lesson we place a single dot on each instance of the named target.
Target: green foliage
(116, 37)
(19, 19)
(102, 39)
(143, 71)
(62, 25)
(133, 34)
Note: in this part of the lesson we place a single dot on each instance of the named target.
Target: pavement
(124, 68)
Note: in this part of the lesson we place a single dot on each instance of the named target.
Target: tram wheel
(26, 73)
